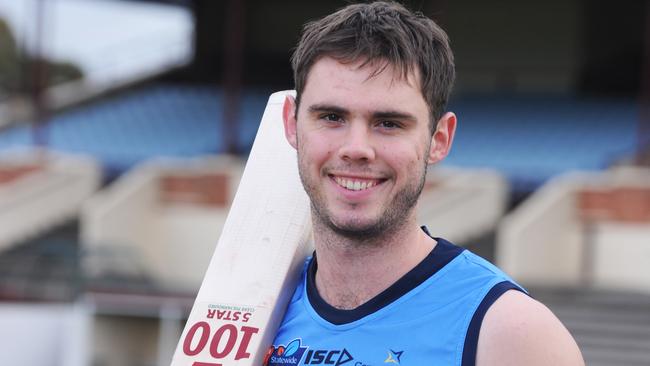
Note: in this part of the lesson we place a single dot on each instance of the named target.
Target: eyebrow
(386, 114)
(402, 116)
(316, 108)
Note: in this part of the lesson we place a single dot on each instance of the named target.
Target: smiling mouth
(356, 184)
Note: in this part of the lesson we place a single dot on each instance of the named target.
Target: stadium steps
(45, 268)
(612, 328)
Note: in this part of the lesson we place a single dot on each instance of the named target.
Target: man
(372, 83)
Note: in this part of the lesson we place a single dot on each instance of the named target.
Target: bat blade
(256, 263)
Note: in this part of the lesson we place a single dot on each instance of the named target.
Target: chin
(357, 229)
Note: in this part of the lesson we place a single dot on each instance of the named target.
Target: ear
(289, 118)
(442, 138)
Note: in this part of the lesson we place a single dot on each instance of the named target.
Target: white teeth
(354, 185)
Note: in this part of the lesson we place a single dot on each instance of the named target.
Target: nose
(357, 144)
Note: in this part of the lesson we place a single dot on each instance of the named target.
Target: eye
(389, 125)
(331, 117)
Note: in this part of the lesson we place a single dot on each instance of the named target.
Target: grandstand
(581, 243)
(528, 139)
(533, 138)
(113, 43)
(183, 121)
(153, 121)
(98, 262)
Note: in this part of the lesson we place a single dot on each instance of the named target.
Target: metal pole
(643, 130)
(232, 72)
(39, 78)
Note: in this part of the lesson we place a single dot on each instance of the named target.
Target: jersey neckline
(443, 253)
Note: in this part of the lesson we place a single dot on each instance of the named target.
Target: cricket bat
(257, 261)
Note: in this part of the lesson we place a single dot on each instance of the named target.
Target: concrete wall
(462, 204)
(168, 239)
(582, 229)
(43, 198)
(541, 242)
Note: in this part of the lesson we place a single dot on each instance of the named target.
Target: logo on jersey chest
(295, 353)
(394, 357)
(285, 355)
(328, 357)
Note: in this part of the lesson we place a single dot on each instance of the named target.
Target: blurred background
(125, 126)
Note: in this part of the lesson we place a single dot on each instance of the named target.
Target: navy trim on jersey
(471, 340)
(443, 253)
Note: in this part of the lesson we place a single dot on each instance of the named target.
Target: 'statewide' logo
(285, 355)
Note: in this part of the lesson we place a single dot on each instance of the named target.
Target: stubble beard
(392, 218)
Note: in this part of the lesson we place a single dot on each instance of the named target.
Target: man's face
(363, 145)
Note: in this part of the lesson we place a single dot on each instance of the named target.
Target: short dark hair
(384, 32)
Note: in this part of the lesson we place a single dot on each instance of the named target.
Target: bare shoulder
(518, 330)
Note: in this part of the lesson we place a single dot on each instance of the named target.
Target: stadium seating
(167, 121)
(528, 139)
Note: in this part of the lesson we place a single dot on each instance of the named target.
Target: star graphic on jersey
(394, 357)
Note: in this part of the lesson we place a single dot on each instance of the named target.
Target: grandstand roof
(113, 42)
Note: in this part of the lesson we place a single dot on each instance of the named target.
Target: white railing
(622, 249)
(116, 218)
(547, 241)
(44, 198)
(463, 204)
(540, 242)
(171, 242)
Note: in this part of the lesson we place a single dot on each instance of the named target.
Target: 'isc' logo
(328, 357)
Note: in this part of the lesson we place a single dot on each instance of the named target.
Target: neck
(351, 272)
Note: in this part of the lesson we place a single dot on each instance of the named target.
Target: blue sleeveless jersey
(431, 316)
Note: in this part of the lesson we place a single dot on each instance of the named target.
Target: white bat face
(256, 263)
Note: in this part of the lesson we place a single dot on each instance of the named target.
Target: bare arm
(518, 330)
